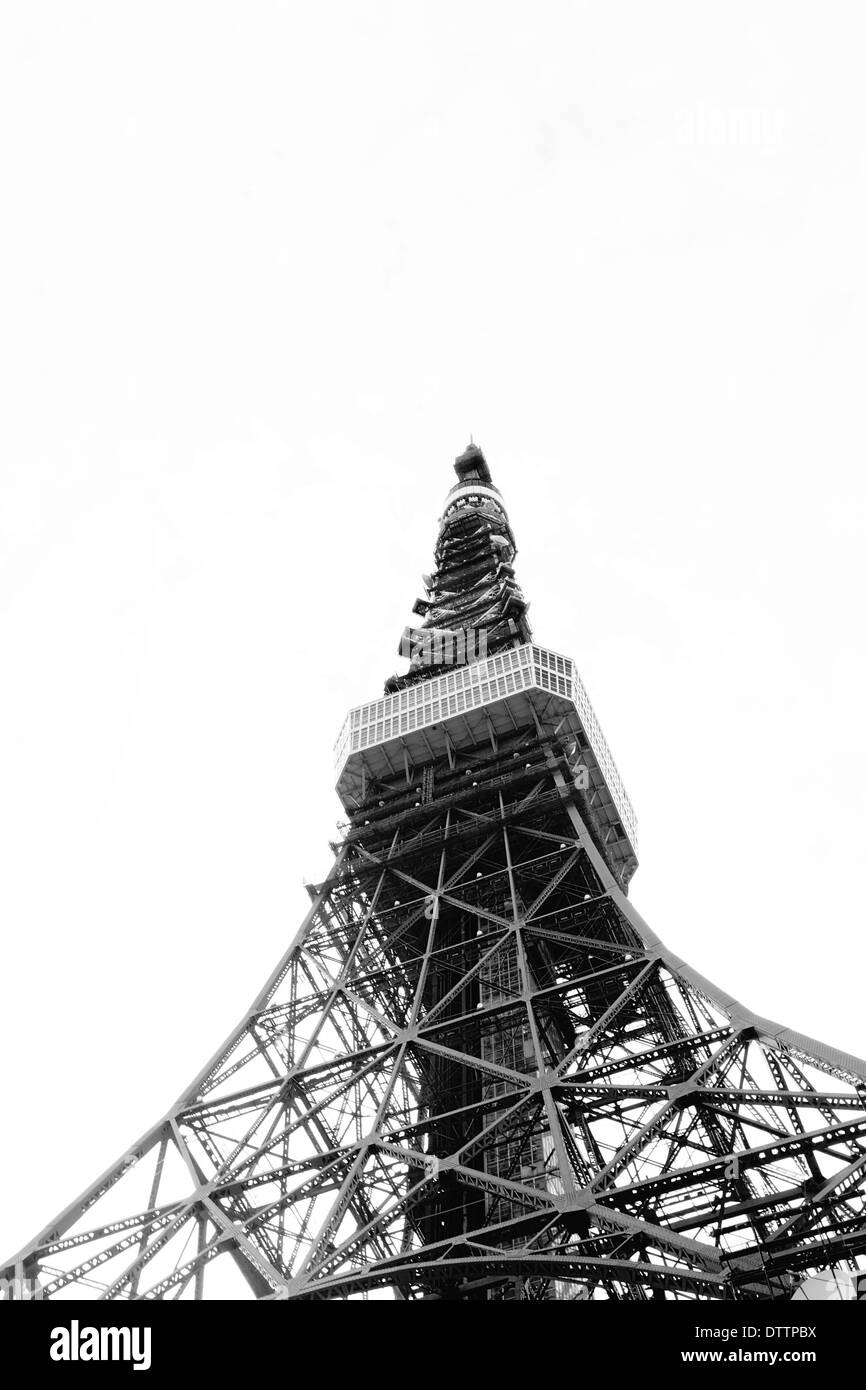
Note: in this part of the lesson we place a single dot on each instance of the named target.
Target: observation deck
(465, 707)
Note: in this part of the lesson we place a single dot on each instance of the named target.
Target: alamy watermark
(20, 1290)
(441, 647)
(723, 127)
(835, 1286)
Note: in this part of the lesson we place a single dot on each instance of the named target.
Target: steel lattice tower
(476, 1073)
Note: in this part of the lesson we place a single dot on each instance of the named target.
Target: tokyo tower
(476, 1073)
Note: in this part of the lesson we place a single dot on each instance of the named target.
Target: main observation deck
(462, 709)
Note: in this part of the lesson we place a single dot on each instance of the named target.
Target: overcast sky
(265, 268)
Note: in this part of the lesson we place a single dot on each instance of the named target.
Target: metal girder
(476, 1073)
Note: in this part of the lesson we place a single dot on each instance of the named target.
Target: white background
(264, 270)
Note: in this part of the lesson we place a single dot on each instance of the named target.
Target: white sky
(264, 269)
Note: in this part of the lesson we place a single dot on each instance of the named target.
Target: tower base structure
(476, 1073)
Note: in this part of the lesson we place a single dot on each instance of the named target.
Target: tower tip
(471, 464)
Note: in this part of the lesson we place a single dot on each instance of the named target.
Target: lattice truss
(477, 1074)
